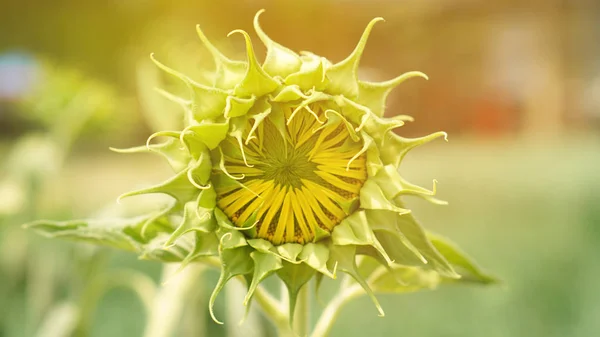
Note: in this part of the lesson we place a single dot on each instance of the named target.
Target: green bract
(286, 168)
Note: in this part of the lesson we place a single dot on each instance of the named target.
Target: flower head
(286, 167)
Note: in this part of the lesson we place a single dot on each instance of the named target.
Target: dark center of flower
(293, 182)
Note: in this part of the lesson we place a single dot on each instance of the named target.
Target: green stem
(333, 309)
(302, 315)
(273, 310)
(96, 288)
(171, 299)
(236, 309)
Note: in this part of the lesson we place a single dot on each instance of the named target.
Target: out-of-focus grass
(527, 210)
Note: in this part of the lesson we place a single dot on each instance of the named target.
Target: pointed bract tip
(260, 11)
(218, 57)
(121, 197)
(226, 236)
(411, 74)
(358, 50)
(214, 318)
(238, 31)
(201, 35)
(249, 47)
(190, 176)
(257, 28)
(375, 20)
(156, 62)
(153, 58)
(370, 26)
(150, 138)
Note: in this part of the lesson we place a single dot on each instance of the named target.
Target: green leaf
(345, 258)
(310, 76)
(238, 106)
(277, 118)
(206, 102)
(197, 216)
(392, 185)
(295, 276)
(355, 230)
(334, 118)
(314, 97)
(316, 256)
(280, 61)
(289, 93)
(290, 251)
(256, 82)
(395, 243)
(462, 263)
(372, 197)
(178, 187)
(260, 111)
(133, 233)
(264, 265)
(206, 244)
(374, 95)
(401, 279)
(343, 75)
(156, 249)
(226, 224)
(171, 149)
(238, 126)
(209, 133)
(261, 245)
(200, 171)
(407, 224)
(396, 147)
(108, 232)
(228, 73)
(233, 262)
(356, 113)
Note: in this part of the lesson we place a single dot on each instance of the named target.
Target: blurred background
(515, 84)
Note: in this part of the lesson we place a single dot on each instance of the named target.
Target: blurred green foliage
(47, 289)
(68, 102)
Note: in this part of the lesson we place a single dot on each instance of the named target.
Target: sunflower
(288, 167)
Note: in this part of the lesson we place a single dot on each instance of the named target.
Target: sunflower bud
(288, 167)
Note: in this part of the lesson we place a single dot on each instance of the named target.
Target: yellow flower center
(293, 184)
